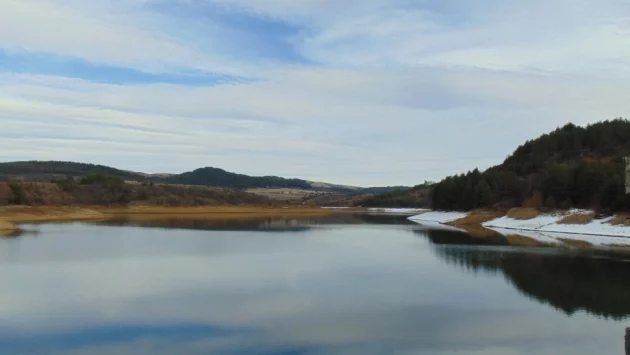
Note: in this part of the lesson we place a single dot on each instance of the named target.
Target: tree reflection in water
(570, 281)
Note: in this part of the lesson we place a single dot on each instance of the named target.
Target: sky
(360, 92)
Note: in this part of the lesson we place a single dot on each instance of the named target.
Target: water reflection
(258, 224)
(359, 285)
(568, 280)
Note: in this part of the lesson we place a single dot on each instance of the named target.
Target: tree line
(569, 167)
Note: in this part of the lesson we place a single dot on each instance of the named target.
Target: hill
(417, 196)
(44, 170)
(570, 167)
(219, 177)
(208, 176)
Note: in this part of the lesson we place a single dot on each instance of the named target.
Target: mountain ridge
(206, 176)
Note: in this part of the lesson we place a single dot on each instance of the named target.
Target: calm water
(345, 285)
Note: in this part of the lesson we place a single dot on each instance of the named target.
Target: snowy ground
(437, 219)
(439, 216)
(554, 238)
(544, 228)
(549, 224)
(397, 210)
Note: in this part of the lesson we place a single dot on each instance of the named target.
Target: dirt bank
(24, 214)
(472, 223)
(7, 228)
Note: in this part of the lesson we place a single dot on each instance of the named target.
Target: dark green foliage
(66, 184)
(417, 196)
(46, 169)
(219, 177)
(19, 195)
(384, 190)
(102, 179)
(572, 167)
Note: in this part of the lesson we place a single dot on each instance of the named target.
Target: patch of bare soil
(472, 223)
(621, 219)
(581, 244)
(7, 229)
(522, 241)
(522, 213)
(477, 217)
(21, 214)
(579, 218)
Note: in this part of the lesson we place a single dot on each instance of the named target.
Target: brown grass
(576, 243)
(522, 213)
(7, 229)
(206, 211)
(522, 241)
(6, 226)
(472, 222)
(477, 217)
(23, 214)
(580, 218)
(620, 220)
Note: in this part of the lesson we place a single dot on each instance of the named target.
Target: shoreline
(486, 222)
(7, 228)
(39, 214)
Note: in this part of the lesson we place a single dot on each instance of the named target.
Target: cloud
(102, 33)
(361, 92)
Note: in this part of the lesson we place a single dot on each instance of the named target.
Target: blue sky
(371, 92)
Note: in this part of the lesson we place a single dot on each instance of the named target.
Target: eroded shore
(25, 214)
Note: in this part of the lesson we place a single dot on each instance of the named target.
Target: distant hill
(208, 176)
(36, 170)
(570, 167)
(417, 196)
(220, 177)
(385, 189)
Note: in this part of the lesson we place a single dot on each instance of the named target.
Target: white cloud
(101, 32)
(368, 127)
(401, 91)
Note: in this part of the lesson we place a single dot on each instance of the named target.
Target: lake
(348, 284)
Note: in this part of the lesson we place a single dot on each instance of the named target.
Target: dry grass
(477, 217)
(21, 214)
(620, 220)
(576, 243)
(6, 226)
(579, 218)
(522, 213)
(208, 211)
(67, 214)
(472, 222)
(282, 194)
(522, 241)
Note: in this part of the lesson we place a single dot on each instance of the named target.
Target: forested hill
(569, 167)
(209, 176)
(220, 177)
(47, 169)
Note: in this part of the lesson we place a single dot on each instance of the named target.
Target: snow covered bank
(564, 239)
(439, 216)
(397, 210)
(550, 223)
(438, 219)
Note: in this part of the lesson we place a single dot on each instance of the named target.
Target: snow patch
(527, 224)
(438, 220)
(439, 216)
(397, 210)
(549, 223)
